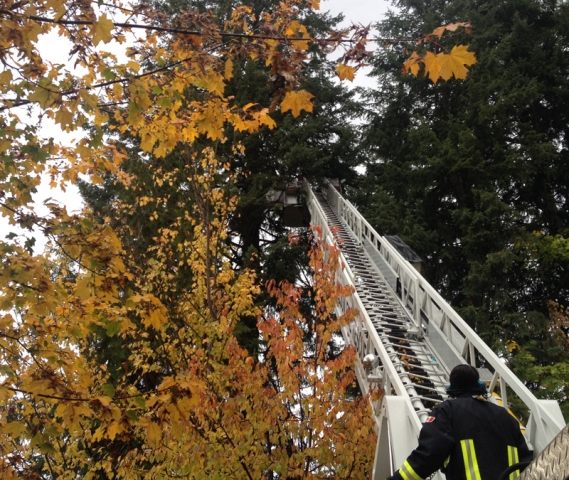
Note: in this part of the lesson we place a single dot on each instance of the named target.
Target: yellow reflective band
(469, 458)
(407, 472)
(513, 458)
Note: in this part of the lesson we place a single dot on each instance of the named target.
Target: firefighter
(466, 437)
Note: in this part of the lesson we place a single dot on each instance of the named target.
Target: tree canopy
(474, 175)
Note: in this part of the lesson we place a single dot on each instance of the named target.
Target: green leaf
(52, 431)
(108, 74)
(134, 112)
(164, 102)
(4, 370)
(109, 390)
(96, 265)
(46, 448)
(29, 245)
(88, 224)
(132, 415)
(43, 96)
(37, 154)
(113, 328)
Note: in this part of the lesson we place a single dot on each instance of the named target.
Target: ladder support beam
(396, 302)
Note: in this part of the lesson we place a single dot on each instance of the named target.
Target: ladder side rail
(403, 414)
(546, 420)
(426, 305)
(363, 325)
(407, 274)
(395, 443)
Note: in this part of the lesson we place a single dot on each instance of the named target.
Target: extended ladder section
(408, 338)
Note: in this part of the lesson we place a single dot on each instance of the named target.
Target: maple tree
(442, 64)
(190, 400)
(183, 397)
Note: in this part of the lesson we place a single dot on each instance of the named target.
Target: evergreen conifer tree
(473, 175)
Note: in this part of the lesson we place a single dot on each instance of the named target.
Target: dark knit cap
(464, 377)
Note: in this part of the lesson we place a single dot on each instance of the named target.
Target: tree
(181, 397)
(472, 175)
(190, 400)
(186, 395)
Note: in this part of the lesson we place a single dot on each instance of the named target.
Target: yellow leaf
(412, 64)
(59, 15)
(134, 66)
(114, 429)
(214, 83)
(154, 433)
(105, 401)
(294, 28)
(297, 101)
(345, 72)
(101, 30)
(64, 117)
(454, 63)
(13, 428)
(228, 69)
(98, 435)
(512, 346)
(432, 66)
(154, 318)
(6, 77)
(301, 44)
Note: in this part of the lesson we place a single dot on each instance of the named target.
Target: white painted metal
(430, 337)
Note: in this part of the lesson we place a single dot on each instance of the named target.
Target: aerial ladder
(408, 339)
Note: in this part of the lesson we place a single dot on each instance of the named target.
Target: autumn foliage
(441, 64)
(187, 399)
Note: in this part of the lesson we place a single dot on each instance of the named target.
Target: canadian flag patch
(429, 419)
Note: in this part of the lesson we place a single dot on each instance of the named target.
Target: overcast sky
(357, 11)
(363, 12)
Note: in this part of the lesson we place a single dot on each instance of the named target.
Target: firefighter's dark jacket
(466, 433)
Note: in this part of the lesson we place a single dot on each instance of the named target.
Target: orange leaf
(297, 101)
(432, 66)
(438, 32)
(454, 63)
(412, 64)
(345, 72)
(451, 27)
